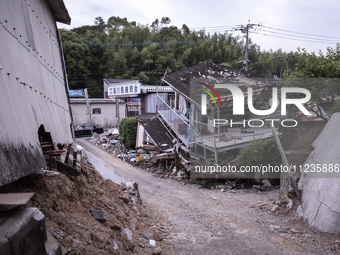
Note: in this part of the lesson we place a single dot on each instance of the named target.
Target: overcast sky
(311, 17)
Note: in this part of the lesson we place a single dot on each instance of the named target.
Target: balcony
(177, 122)
(224, 138)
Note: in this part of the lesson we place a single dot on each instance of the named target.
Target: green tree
(77, 58)
(128, 131)
(320, 69)
(120, 48)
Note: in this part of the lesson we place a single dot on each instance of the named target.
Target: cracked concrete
(321, 191)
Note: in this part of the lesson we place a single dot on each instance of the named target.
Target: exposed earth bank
(201, 221)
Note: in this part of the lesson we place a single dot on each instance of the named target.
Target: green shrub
(336, 106)
(128, 131)
(263, 152)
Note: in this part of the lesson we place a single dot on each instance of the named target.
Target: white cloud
(314, 17)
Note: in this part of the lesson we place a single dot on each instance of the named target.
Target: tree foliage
(128, 131)
(319, 74)
(120, 48)
(263, 152)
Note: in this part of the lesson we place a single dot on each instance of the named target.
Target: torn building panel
(33, 86)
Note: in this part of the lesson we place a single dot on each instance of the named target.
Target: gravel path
(201, 221)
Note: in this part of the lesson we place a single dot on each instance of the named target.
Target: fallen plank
(15, 198)
(266, 203)
(66, 169)
(46, 145)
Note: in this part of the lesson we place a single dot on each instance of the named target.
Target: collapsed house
(193, 134)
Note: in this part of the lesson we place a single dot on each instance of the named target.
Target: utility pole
(286, 58)
(245, 30)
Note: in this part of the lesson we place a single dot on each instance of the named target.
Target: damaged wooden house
(181, 126)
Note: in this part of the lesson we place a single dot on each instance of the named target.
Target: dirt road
(202, 221)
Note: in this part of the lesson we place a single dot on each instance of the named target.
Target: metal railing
(225, 135)
(176, 122)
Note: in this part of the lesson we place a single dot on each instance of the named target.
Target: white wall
(106, 119)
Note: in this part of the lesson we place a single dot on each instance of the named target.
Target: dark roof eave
(59, 10)
(182, 94)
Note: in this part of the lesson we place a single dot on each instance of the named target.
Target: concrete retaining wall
(321, 193)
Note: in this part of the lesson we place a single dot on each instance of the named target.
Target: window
(96, 110)
(126, 89)
(114, 91)
(110, 91)
(136, 88)
(121, 90)
(131, 89)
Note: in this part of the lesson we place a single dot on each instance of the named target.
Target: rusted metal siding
(33, 90)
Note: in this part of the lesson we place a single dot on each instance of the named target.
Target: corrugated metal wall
(32, 87)
(150, 101)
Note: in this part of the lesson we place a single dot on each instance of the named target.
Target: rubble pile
(159, 161)
(90, 215)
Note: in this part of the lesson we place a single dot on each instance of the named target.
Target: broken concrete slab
(15, 198)
(23, 231)
(127, 232)
(145, 235)
(152, 242)
(99, 215)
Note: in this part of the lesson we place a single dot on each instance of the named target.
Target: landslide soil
(66, 203)
(202, 221)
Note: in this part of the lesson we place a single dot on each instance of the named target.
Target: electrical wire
(289, 38)
(228, 29)
(261, 62)
(298, 36)
(301, 33)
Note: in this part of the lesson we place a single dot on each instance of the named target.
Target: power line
(261, 63)
(298, 36)
(289, 38)
(268, 31)
(288, 31)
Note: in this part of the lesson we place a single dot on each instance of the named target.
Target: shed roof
(159, 134)
(60, 12)
(116, 81)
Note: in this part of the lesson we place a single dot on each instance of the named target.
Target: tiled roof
(158, 133)
(181, 80)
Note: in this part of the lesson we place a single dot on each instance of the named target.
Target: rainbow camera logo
(204, 96)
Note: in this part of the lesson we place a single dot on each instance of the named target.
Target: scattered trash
(148, 157)
(152, 242)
